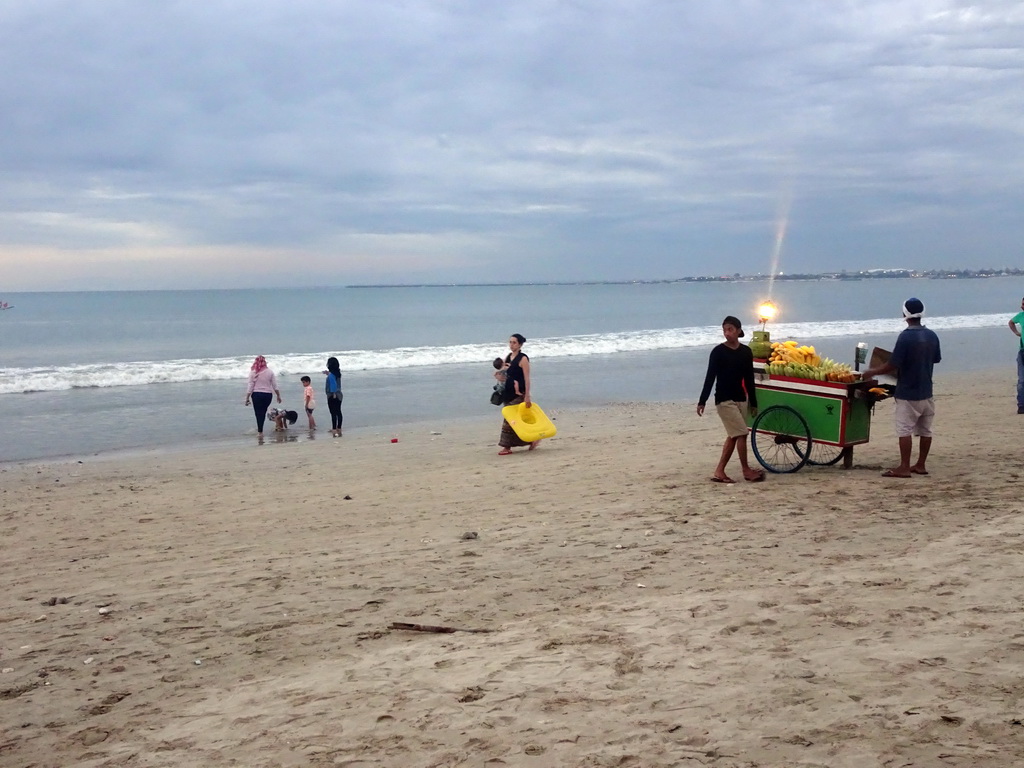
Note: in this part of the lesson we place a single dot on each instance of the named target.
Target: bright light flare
(766, 312)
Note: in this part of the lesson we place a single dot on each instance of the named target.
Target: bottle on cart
(860, 356)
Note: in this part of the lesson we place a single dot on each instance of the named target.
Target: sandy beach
(234, 607)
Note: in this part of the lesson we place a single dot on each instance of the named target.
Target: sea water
(93, 372)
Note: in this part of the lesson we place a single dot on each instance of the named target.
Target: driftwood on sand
(432, 628)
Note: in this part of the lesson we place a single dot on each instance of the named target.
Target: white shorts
(914, 417)
(734, 417)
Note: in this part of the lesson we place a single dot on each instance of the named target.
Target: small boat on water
(5, 305)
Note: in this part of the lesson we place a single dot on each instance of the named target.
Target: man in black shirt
(731, 364)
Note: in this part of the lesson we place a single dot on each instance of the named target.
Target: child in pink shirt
(307, 399)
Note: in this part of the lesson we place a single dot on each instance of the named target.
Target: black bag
(497, 398)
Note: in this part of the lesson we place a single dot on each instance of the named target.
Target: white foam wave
(126, 374)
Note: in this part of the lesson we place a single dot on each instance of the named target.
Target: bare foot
(722, 479)
(896, 473)
(919, 470)
(534, 444)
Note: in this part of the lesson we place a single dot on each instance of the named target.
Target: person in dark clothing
(517, 390)
(332, 389)
(731, 370)
(916, 352)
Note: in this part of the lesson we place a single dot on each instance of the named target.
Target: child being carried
(501, 377)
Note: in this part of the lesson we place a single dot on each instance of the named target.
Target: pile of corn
(789, 358)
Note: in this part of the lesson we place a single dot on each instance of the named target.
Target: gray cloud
(219, 143)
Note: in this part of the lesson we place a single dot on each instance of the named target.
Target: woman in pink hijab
(261, 391)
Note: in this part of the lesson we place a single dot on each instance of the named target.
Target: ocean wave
(146, 372)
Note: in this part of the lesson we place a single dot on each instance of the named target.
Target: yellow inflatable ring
(529, 424)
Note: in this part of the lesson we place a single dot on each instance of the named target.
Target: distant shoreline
(871, 274)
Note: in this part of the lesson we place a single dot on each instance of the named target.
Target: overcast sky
(217, 143)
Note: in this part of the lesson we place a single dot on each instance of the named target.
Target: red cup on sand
(394, 439)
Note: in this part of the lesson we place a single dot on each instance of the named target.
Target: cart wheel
(781, 439)
(824, 455)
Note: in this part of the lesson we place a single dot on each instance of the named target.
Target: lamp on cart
(761, 344)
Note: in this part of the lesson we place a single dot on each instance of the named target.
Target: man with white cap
(915, 354)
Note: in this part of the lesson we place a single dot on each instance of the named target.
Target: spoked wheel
(781, 439)
(824, 455)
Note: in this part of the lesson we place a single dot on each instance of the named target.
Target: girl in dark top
(731, 365)
(334, 396)
(517, 381)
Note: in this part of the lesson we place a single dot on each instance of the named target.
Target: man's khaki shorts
(734, 417)
(914, 417)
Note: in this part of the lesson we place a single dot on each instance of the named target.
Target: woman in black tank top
(517, 390)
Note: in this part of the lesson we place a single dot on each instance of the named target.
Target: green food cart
(805, 421)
